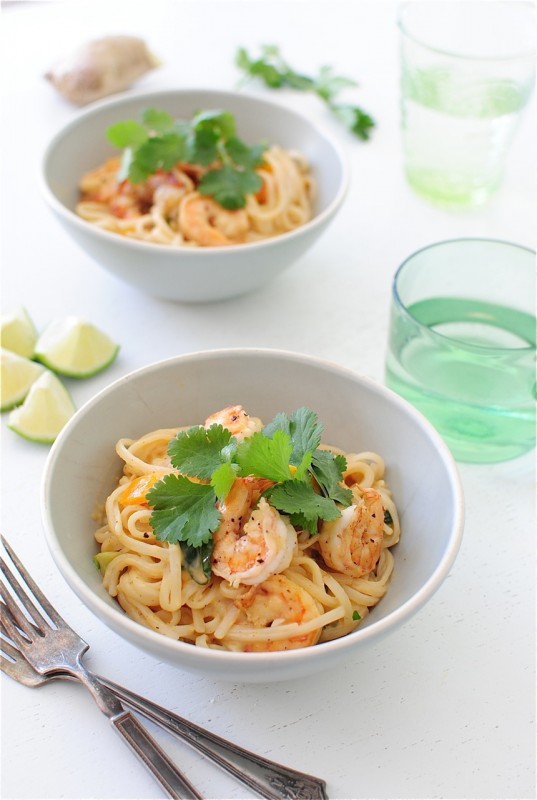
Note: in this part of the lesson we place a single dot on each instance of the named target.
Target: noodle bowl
(186, 272)
(83, 469)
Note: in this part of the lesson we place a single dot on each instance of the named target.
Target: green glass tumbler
(462, 345)
(467, 71)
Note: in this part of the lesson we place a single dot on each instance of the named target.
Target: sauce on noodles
(271, 585)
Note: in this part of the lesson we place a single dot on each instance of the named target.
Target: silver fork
(268, 778)
(50, 645)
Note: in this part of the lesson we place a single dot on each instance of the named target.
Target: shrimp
(101, 184)
(204, 221)
(278, 601)
(167, 199)
(236, 420)
(264, 545)
(352, 543)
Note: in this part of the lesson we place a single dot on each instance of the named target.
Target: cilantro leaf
(356, 120)
(328, 84)
(135, 172)
(272, 70)
(266, 458)
(221, 122)
(199, 451)
(244, 156)
(229, 186)
(306, 432)
(299, 497)
(183, 511)
(203, 147)
(198, 561)
(327, 469)
(281, 422)
(302, 468)
(158, 120)
(127, 134)
(271, 75)
(303, 428)
(302, 522)
(160, 152)
(222, 479)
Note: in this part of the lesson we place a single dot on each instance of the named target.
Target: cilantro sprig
(316, 467)
(158, 141)
(305, 481)
(272, 70)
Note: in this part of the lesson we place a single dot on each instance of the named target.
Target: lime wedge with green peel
(17, 374)
(17, 332)
(46, 409)
(75, 347)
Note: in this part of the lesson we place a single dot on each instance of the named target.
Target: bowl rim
(197, 252)
(148, 639)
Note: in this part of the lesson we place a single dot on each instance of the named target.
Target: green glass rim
(441, 336)
(530, 52)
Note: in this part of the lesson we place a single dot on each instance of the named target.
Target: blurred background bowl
(357, 414)
(191, 274)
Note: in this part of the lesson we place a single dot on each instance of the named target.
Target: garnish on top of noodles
(209, 139)
(302, 480)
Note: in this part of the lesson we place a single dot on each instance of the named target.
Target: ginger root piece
(101, 67)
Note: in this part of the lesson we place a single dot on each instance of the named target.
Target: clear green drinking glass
(467, 71)
(462, 345)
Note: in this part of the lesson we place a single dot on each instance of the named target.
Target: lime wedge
(18, 333)
(75, 347)
(17, 376)
(48, 406)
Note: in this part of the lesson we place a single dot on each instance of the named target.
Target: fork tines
(33, 615)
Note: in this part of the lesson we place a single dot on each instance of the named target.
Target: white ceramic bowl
(191, 274)
(357, 414)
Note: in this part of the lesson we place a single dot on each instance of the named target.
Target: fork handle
(170, 777)
(155, 759)
(268, 778)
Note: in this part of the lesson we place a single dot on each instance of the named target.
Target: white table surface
(443, 708)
